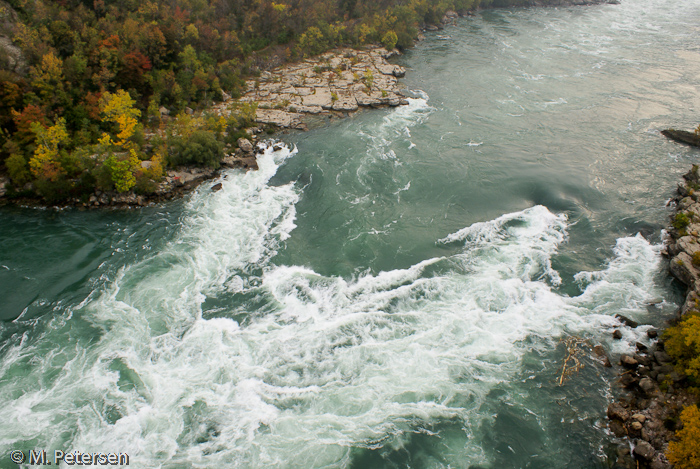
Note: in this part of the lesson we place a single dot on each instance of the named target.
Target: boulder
(617, 428)
(629, 381)
(3, 182)
(628, 362)
(617, 412)
(626, 321)
(249, 163)
(602, 355)
(644, 450)
(662, 357)
(245, 145)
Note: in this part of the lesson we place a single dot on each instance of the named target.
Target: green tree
(200, 149)
(122, 171)
(389, 40)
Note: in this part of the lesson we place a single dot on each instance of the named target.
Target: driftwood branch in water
(571, 363)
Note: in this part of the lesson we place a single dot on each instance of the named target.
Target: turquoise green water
(391, 290)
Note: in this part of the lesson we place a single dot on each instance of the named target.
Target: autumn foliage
(99, 72)
(685, 453)
(683, 344)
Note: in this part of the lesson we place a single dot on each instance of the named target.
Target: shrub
(389, 40)
(18, 169)
(680, 221)
(696, 258)
(685, 453)
(53, 190)
(369, 79)
(121, 171)
(200, 149)
(683, 344)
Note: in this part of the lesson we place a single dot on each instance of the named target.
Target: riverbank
(648, 416)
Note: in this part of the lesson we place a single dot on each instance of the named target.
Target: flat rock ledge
(647, 416)
(335, 83)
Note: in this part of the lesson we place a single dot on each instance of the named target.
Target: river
(395, 289)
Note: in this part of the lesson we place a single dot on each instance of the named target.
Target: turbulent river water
(389, 290)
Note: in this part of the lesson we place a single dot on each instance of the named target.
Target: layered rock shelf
(684, 245)
(334, 83)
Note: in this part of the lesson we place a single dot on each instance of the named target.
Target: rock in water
(602, 355)
(682, 136)
(626, 321)
(250, 163)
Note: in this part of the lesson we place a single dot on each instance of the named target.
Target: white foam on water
(329, 364)
(381, 137)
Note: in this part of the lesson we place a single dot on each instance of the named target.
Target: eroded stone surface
(340, 81)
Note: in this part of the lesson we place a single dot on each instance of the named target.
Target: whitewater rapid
(293, 368)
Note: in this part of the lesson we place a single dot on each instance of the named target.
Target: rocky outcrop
(12, 57)
(338, 82)
(682, 136)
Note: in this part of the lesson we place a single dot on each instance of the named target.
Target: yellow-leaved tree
(44, 163)
(119, 109)
(685, 453)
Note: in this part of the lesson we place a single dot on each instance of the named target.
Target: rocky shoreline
(176, 183)
(648, 416)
